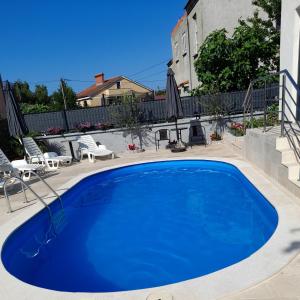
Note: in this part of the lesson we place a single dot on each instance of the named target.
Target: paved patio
(284, 285)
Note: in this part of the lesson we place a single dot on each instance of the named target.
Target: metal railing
(11, 176)
(248, 104)
(289, 123)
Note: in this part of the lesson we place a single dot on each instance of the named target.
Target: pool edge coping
(261, 265)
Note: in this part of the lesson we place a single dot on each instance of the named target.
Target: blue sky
(43, 41)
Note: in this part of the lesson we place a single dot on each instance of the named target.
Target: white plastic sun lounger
(88, 146)
(22, 166)
(50, 159)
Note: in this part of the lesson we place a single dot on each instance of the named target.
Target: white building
(200, 19)
(290, 49)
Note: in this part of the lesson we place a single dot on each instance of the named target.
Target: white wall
(181, 62)
(211, 15)
(289, 49)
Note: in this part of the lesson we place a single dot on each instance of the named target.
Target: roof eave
(190, 5)
(83, 98)
(141, 85)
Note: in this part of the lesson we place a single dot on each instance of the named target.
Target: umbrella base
(179, 147)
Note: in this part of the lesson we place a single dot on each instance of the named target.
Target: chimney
(99, 78)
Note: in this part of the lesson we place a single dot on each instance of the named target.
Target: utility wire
(78, 80)
(149, 68)
(41, 82)
(161, 80)
(163, 71)
(91, 81)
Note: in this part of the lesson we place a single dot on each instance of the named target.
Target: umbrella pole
(177, 133)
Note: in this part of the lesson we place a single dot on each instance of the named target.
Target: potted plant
(215, 137)
(55, 131)
(237, 129)
(84, 126)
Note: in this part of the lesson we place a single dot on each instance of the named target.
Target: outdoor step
(296, 182)
(288, 156)
(282, 143)
(293, 170)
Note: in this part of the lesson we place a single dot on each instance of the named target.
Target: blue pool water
(143, 226)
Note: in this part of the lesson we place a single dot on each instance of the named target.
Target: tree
(255, 51)
(130, 116)
(39, 100)
(160, 92)
(213, 67)
(23, 93)
(229, 63)
(41, 94)
(272, 8)
(58, 100)
(34, 108)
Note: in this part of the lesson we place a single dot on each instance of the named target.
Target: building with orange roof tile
(111, 91)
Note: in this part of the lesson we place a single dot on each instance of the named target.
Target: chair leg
(9, 209)
(24, 192)
(91, 158)
(66, 163)
(26, 175)
(52, 165)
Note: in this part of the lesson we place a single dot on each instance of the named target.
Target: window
(85, 103)
(118, 85)
(184, 43)
(195, 32)
(185, 88)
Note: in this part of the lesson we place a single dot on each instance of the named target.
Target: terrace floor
(284, 285)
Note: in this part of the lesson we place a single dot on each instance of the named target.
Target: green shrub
(34, 108)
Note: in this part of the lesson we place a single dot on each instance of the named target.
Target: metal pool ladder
(11, 176)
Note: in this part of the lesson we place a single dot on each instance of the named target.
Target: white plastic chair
(88, 146)
(22, 166)
(50, 159)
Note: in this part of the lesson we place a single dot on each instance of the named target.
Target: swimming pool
(143, 226)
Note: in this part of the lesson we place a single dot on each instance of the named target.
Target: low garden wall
(119, 139)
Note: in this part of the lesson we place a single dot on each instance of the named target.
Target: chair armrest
(102, 147)
(36, 159)
(50, 155)
(80, 149)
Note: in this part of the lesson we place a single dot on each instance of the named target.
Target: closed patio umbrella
(16, 123)
(173, 100)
